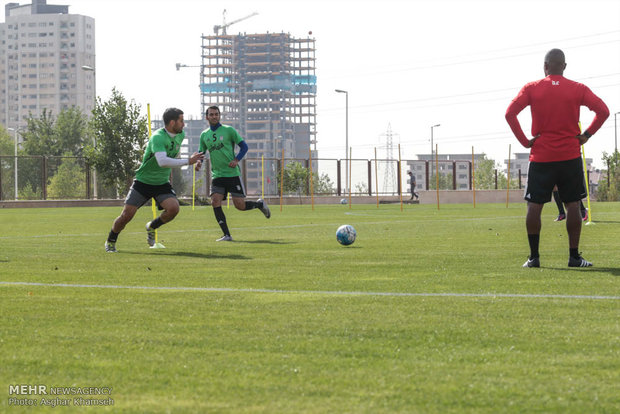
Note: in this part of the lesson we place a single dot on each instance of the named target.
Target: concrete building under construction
(265, 87)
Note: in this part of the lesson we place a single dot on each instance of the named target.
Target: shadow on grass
(191, 254)
(614, 271)
(262, 242)
(604, 221)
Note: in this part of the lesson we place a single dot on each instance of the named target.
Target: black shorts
(543, 176)
(140, 193)
(225, 185)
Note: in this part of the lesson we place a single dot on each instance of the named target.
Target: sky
(407, 65)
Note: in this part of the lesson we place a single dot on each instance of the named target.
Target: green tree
(69, 181)
(7, 162)
(485, 173)
(323, 184)
(295, 178)
(609, 184)
(445, 181)
(121, 134)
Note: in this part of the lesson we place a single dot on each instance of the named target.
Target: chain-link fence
(70, 178)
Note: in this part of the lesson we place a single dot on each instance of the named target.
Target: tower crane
(224, 25)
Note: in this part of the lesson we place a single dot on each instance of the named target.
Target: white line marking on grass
(321, 292)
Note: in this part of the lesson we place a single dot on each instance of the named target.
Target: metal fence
(49, 178)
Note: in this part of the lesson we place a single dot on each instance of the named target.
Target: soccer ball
(346, 234)
(343, 201)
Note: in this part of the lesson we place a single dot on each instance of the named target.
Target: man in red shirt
(555, 156)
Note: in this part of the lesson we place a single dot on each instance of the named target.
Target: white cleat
(264, 208)
(225, 238)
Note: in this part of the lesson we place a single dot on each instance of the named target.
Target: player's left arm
(595, 104)
(243, 149)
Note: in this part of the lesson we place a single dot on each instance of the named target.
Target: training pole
(508, 177)
(153, 204)
(193, 186)
(350, 169)
(282, 179)
(473, 175)
(376, 178)
(311, 179)
(262, 176)
(400, 180)
(437, 172)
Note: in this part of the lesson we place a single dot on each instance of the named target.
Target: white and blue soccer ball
(343, 201)
(346, 234)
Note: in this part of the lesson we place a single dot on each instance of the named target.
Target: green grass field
(428, 312)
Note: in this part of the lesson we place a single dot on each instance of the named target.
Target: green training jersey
(150, 172)
(221, 146)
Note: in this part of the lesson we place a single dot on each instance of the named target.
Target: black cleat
(150, 235)
(532, 262)
(264, 208)
(578, 262)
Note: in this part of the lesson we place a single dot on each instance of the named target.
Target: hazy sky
(408, 64)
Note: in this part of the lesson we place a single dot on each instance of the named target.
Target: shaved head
(555, 62)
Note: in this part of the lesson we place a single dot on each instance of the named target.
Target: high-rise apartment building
(43, 49)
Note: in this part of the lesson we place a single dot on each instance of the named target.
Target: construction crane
(224, 25)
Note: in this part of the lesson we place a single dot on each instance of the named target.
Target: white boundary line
(320, 292)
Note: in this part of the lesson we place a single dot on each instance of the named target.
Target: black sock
(574, 252)
(249, 205)
(534, 239)
(556, 197)
(221, 220)
(157, 223)
(112, 236)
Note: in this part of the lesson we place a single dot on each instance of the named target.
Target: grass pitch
(428, 311)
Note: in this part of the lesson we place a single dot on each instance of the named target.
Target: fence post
(495, 179)
(87, 182)
(369, 177)
(454, 175)
(338, 177)
(519, 178)
(307, 162)
(426, 173)
(44, 177)
(400, 190)
(0, 179)
(470, 176)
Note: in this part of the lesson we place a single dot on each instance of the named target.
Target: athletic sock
(221, 220)
(556, 197)
(574, 252)
(157, 223)
(534, 240)
(112, 236)
(249, 205)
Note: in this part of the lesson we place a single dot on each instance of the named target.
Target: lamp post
(15, 130)
(432, 147)
(346, 145)
(91, 69)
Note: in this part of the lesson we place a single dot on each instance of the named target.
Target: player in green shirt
(153, 178)
(220, 141)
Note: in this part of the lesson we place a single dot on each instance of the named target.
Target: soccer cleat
(532, 262)
(226, 237)
(584, 215)
(110, 247)
(150, 235)
(561, 217)
(578, 262)
(264, 208)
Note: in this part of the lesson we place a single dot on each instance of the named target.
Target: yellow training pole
(400, 180)
(193, 186)
(350, 169)
(153, 204)
(508, 178)
(282, 180)
(262, 176)
(376, 178)
(473, 175)
(585, 174)
(437, 172)
(311, 178)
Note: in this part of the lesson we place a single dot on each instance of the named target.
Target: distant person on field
(220, 140)
(562, 212)
(153, 178)
(555, 156)
(412, 182)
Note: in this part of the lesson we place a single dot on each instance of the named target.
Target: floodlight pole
(346, 144)
(91, 69)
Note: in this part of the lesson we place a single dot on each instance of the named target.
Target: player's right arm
(515, 107)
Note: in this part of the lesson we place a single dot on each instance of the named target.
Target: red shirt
(555, 102)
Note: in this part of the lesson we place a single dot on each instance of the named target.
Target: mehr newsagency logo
(54, 396)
